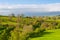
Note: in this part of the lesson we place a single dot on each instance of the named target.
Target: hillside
(24, 28)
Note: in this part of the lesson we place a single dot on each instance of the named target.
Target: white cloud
(32, 7)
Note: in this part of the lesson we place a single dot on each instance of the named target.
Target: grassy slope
(7, 20)
(51, 35)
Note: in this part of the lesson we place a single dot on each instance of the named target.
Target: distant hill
(33, 13)
(42, 13)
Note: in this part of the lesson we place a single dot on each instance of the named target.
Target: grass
(49, 35)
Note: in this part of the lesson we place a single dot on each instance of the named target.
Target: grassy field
(49, 35)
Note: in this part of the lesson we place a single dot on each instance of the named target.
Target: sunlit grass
(54, 35)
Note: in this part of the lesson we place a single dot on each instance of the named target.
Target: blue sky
(8, 6)
(28, 1)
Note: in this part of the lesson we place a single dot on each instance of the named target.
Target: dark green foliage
(5, 32)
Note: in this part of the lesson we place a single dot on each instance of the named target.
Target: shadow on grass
(40, 34)
(45, 33)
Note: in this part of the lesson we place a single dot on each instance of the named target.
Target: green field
(49, 35)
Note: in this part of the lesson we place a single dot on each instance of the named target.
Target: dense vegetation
(24, 28)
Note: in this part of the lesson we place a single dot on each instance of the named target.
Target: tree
(27, 30)
(12, 14)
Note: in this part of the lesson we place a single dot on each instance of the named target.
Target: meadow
(49, 35)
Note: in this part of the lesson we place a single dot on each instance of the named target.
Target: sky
(29, 6)
(28, 1)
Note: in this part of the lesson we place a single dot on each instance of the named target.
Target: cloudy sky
(8, 6)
